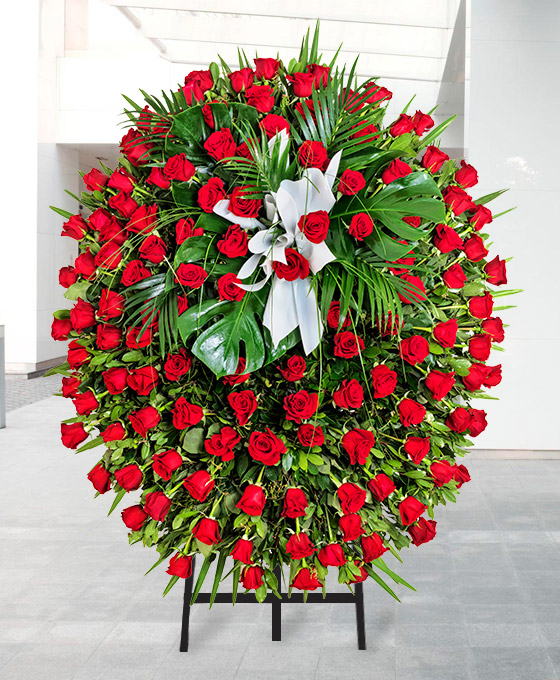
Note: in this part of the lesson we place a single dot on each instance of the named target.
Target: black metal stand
(356, 598)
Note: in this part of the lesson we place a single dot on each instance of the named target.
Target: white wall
(513, 141)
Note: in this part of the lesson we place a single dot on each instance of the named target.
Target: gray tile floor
(20, 391)
(74, 604)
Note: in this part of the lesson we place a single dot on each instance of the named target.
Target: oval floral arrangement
(282, 311)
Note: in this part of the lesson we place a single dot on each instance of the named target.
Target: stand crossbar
(356, 598)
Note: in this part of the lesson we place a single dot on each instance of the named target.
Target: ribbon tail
(280, 315)
(308, 314)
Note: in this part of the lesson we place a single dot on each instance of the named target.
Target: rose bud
(440, 383)
(157, 505)
(70, 386)
(481, 306)
(199, 484)
(82, 315)
(477, 422)
(113, 433)
(305, 579)
(411, 412)
(252, 577)
(351, 527)
(100, 478)
(108, 337)
(422, 123)
(207, 531)
(494, 376)
(395, 170)
(402, 125)
(381, 486)
(85, 403)
(458, 420)
(445, 333)
(358, 443)
(72, 434)
(384, 381)
(115, 379)
(242, 551)
(433, 159)
(134, 517)
(67, 277)
(350, 395)
(372, 547)
(186, 414)
(496, 271)
(475, 249)
(454, 277)
(410, 509)
(295, 503)
(414, 349)
(333, 316)
(423, 531)
(332, 555)
(295, 369)
(480, 346)
(447, 239)
(476, 376)
(417, 448)
(165, 463)
(180, 565)
(142, 380)
(458, 200)
(461, 475)
(144, 419)
(299, 546)
(129, 477)
(481, 216)
(494, 327)
(252, 501)
(302, 83)
(442, 472)
(363, 574)
(351, 497)
(466, 176)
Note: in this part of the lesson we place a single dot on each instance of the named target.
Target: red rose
(494, 376)
(302, 83)
(157, 505)
(422, 123)
(134, 517)
(132, 147)
(358, 444)
(252, 501)
(182, 304)
(440, 383)
(60, 329)
(423, 531)
(70, 386)
(185, 229)
(417, 293)
(266, 68)
(457, 199)
(445, 333)
(85, 403)
(381, 486)
(351, 496)
(495, 328)
(384, 381)
(310, 435)
(266, 447)
(207, 531)
(196, 84)
(211, 193)
(402, 125)
(477, 423)
(177, 365)
(315, 225)
(243, 404)
(144, 419)
(351, 527)
(296, 267)
(242, 79)
(252, 577)
(481, 306)
(136, 341)
(333, 316)
(414, 349)
(306, 108)
(476, 376)
(186, 414)
(67, 276)
(77, 354)
(180, 565)
(442, 472)
(261, 97)
(239, 376)
(377, 94)
(113, 433)
(100, 478)
(312, 154)
(143, 220)
(461, 475)
(295, 369)
(301, 405)
(447, 239)
(347, 345)
(395, 170)
(124, 204)
(179, 167)
(134, 272)
(295, 503)
(108, 336)
(143, 380)
(433, 159)
(411, 412)
(466, 176)
(349, 395)
(82, 315)
(367, 133)
(158, 178)
(372, 547)
(228, 288)
(153, 249)
(299, 546)
(109, 256)
(361, 226)
(480, 346)
(85, 265)
(481, 216)
(242, 551)
(454, 277)
(410, 510)
(474, 248)
(234, 242)
(191, 275)
(413, 220)
(72, 435)
(199, 484)
(129, 477)
(121, 181)
(111, 305)
(332, 555)
(417, 448)
(75, 227)
(351, 182)
(305, 579)
(241, 203)
(222, 443)
(272, 124)
(458, 420)
(496, 271)
(95, 180)
(220, 144)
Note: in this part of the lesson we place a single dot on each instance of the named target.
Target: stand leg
(184, 646)
(360, 623)
(277, 610)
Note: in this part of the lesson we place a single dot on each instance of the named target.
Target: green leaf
(91, 445)
(185, 195)
(219, 571)
(77, 290)
(190, 129)
(194, 249)
(192, 440)
(380, 581)
(172, 581)
(118, 499)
